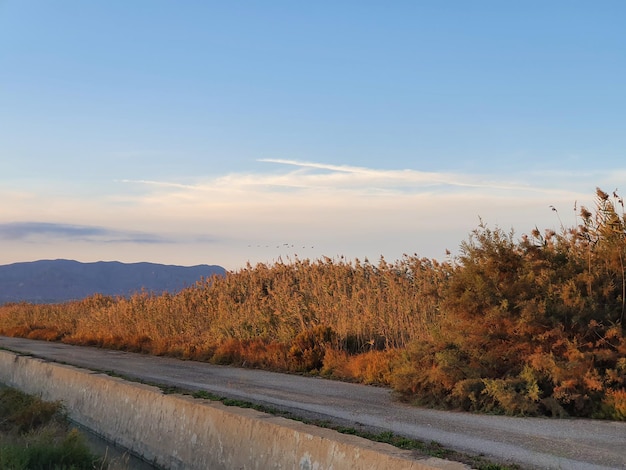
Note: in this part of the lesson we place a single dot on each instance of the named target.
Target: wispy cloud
(339, 209)
(26, 231)
(320, 178)
(351, 203)
(407, 179)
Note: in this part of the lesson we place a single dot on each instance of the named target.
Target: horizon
(224, 134)
(48, 260)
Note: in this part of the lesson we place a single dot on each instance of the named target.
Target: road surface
(533, 443)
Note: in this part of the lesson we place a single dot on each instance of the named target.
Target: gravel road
(533, 443)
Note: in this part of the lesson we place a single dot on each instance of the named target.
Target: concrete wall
(179, 432)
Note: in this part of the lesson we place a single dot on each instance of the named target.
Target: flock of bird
(284, 245)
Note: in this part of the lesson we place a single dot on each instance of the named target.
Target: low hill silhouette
(52, 281)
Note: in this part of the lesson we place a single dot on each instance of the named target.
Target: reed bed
(527, 327)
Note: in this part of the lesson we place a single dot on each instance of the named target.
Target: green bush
(35, 436)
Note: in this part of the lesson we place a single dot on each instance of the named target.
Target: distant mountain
(51, 281)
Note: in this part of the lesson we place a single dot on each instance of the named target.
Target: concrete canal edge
(180, 432)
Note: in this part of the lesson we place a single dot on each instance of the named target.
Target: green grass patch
(35, 435)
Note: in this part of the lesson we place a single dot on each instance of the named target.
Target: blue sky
(224, 132)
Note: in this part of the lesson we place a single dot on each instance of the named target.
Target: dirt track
(568, 444)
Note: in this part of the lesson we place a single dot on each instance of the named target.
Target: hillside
(61, 280)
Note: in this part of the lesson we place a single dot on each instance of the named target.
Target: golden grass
(533, 326)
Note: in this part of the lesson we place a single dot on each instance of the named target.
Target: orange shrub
(45, 334)
(615, 405)
(372, 367)
(228, 352)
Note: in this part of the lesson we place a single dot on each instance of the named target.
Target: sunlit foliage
(519, 326)
(530, 327)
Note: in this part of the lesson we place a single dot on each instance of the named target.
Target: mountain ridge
(61, 280)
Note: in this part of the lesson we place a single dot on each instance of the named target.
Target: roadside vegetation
(520, 326)
(34, 435)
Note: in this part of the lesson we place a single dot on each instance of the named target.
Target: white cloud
(339, 209)
(351, 202)
(316, 176)
(403, 179)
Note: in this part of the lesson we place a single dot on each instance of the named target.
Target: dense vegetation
(529, 326)
(34, 435)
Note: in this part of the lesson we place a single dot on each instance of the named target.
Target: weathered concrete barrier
(179, 432)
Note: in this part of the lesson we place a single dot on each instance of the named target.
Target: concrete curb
(180, 432)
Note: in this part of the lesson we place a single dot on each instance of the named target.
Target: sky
(213, 132)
